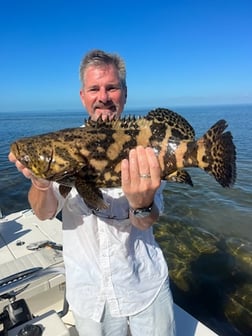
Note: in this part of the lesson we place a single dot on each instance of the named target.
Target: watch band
(141, 212)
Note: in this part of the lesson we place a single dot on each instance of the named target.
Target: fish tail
(217, 154)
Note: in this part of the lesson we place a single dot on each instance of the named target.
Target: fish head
(38, 159)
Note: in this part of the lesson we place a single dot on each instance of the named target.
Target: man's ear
(126, 93)
(82, 97)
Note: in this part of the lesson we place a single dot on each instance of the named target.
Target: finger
(153, 163)
(12, 157)
(133, 167)
(27, 173)
(125, 172)
(19, 165)
(143, 164)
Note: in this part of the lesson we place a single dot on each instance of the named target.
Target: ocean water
(224, 213)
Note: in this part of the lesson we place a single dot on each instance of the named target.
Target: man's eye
(113, 88)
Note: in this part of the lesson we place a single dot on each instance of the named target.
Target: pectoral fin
(91, 195)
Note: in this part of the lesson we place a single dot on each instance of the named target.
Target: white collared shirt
(109, 260)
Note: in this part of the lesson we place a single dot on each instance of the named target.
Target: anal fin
(64, 190)
(180, 176)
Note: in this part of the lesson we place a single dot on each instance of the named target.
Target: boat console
(17, 319)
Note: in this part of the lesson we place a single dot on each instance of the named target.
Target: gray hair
(99, 58)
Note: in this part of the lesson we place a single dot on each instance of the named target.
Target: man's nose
(103, 95)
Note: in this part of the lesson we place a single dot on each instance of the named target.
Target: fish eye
(26, 158)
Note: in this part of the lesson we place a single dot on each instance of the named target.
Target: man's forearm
(43, 202)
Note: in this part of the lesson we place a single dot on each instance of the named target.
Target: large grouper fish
(90, 157)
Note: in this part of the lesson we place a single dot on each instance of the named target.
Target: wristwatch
(141, 212)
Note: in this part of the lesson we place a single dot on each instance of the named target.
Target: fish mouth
(15, 149)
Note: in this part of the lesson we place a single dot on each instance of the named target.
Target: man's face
(103, 93)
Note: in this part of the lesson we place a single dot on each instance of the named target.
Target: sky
(183, 52)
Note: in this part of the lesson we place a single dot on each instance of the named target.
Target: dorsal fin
(121, 123)
(174, 120)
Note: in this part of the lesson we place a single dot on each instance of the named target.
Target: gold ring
(145, 176)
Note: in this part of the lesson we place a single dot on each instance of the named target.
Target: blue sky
(184, 52)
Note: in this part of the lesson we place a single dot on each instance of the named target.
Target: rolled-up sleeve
(159, 198)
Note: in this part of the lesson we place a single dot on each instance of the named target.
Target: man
(116, 274)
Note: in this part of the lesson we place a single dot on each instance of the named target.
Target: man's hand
(140, 177)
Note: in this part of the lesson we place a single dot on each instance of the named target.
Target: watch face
(142, 214)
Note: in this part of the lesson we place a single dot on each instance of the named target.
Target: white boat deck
(20, 234)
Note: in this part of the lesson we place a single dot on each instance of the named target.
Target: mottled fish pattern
(90, 157)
